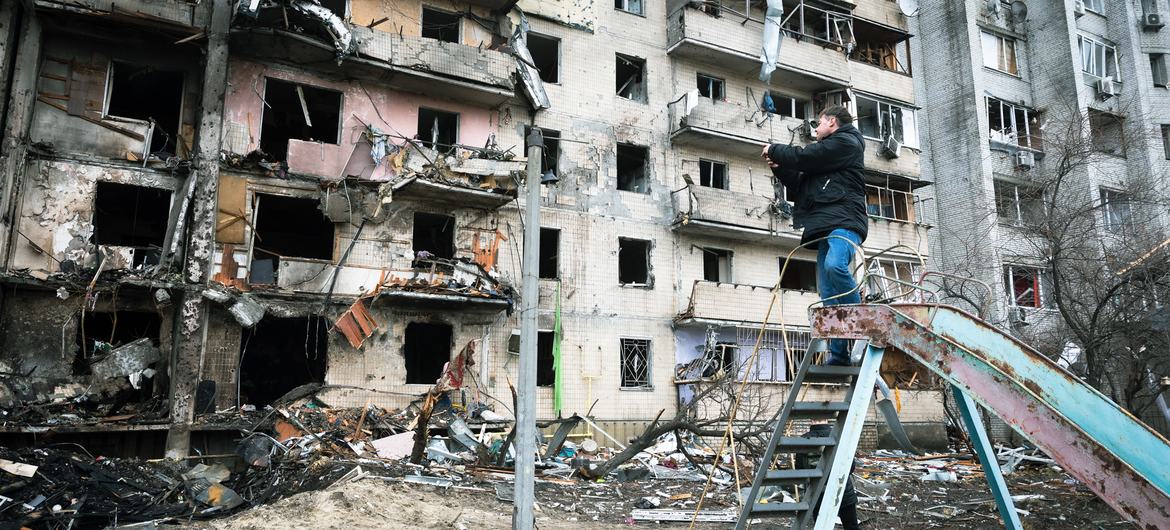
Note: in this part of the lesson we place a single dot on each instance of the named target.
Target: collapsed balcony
(423, 65)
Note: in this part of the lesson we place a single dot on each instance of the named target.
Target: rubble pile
(302, 445)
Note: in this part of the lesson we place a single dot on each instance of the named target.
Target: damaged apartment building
(207, 205)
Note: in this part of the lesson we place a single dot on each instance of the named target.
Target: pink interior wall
(398, 110)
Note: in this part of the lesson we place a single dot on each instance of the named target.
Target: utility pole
(524, 496)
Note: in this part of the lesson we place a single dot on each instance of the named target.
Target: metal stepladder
(828, 477)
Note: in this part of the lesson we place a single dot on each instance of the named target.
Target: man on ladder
(827, 181)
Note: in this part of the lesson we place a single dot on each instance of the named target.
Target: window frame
(1107, 51)
(625, 7)
(794, 103)
(458, 30)
(645, 382)
(908, 203)
(1095, 6)
(649, 281)
(1039, 289)
(711, 177)
(721, 266)
(559, 55)
(1033, 142)
(1120, 202)
(887, 106)
(1158, 65)
(712, 82)
(1019, 218)
(1001, 43)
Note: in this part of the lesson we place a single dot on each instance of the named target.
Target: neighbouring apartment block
(1030, 100)
(208, 205)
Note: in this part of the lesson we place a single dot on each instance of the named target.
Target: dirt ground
(910, 504)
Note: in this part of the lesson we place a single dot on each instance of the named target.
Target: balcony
(906, 165)
(467, 74)
(733, 41)
(727, 127)
(882, 82)
(455, 182)
(180, 16)
(731, 303)
(713, 212)
(895, 218)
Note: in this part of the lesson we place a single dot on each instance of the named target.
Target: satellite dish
(908, 7)
(1019, 10)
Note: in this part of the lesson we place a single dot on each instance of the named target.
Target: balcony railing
(735, 41)
(740, 303)
(704, 211)
(726, 126)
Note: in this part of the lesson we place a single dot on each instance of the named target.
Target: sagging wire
(727, 433)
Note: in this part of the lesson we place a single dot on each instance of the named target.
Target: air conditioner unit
(1017, 316)
(1153, 21)
(891, 147)
(1106, 88)
(1078, 7)
(1025, 159)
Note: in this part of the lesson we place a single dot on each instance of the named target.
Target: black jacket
(826, 182)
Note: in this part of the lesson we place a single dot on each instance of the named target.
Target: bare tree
(1094, 229)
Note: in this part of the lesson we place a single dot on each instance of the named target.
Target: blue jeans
(833, 278)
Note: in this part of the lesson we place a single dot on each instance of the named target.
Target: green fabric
(558, 381)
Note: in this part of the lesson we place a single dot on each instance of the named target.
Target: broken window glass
(888, 202)
(550, 242)
(280, 354)
(287, 227)
(633, 261)
(426, 348)
(131, 216)
(713, 174)
(710, 87)
(551, 155)
(632, 167)
(438, 129)
(635, 358)
(880, 46)
(879, 120)
(631, 78)
(717, 265)
(800, 276)
(789, 106)
(1012, 124)
(434, 237)
(300, 112)
(546, 374)
(1019, 205)
(1107, 133)
(441, 25)
(1025, 285)
(546, 56)
(144, 93)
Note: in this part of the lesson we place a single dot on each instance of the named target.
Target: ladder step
(778, 508)
(801, 444)
(809, 409)
(830, 374)
(788, 476)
